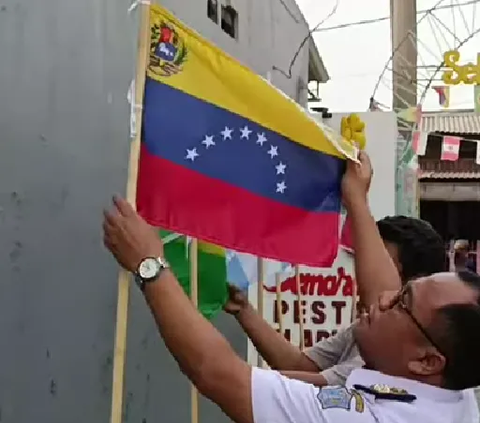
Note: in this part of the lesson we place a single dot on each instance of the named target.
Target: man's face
(396, 336)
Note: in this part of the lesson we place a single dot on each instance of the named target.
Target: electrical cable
(386, 18)
(288, 74)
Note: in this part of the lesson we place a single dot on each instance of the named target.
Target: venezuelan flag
(229, 159)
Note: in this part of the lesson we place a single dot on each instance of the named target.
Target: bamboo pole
(119, 354)
(260, 281)
(300, 309)
(278, 293)
(193, 256)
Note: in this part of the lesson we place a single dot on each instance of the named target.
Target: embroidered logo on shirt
(340, 397)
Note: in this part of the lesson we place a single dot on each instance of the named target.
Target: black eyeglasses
(402, 303)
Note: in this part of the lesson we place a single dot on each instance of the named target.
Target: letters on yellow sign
(456, 74)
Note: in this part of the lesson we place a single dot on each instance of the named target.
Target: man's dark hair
(460, 328)
(421, 250)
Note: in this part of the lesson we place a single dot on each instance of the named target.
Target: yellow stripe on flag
(202, 70)
(208, 248)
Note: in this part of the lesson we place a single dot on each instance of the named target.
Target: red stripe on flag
(232, 216)
(346, 240)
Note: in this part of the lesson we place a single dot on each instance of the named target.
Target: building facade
(64, 145)
(450, 190)
(264, 35)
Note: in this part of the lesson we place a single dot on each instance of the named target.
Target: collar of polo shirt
(421, 390)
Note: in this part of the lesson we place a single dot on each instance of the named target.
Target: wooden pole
(278, 293)
(300, 308)
(260, 281)
(119, 353)
(477, 257)
(353, 317)
(193, 256)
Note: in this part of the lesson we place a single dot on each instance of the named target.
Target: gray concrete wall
(64, 71)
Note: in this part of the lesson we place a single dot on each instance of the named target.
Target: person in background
(462, 258)
(415, 248)
(416, 342)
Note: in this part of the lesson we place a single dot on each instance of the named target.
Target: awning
(430, 174)
(453, 122)
(316, 68)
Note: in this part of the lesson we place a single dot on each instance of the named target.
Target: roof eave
(316, 68)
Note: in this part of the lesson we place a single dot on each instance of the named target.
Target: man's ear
(429, 362)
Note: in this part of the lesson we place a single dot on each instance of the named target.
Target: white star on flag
(281, 187)
(273, 151)
(235, 134)
(245, 132)
(208, 141)
(191, 154)
(261, 139)
(227, 133)
(280, 168)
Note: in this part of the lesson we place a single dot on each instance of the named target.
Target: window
(230, 21)
(212, 10)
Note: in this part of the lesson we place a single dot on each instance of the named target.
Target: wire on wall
(308, 36)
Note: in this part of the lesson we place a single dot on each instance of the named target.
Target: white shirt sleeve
(277, 399)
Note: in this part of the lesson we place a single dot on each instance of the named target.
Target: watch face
(148, 268)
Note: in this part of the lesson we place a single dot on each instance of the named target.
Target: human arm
(313, 378)
(333, 376)
(201, 352)
(375, 271)
(272, 346)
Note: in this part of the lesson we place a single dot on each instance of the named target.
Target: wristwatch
(149, 270)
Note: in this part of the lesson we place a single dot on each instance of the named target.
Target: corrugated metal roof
(458, 122)
(427, 174)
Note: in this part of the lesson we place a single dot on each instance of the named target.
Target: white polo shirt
(338, 356)
(277, 399)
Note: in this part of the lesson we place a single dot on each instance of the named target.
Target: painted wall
(381, 134)
(64, 123)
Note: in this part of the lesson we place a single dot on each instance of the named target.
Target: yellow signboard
(456, 74)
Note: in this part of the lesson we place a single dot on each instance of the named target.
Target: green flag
(212, 271)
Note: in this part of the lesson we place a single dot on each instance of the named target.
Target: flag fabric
(419, 142)
(229, 159)
(242, 269)
(476, 93)
(346, 240)
(450, 148)
(410, 114)
(443, 92)
(212, 271)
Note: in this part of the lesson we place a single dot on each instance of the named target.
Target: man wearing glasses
(408, 378)
(416, 250)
